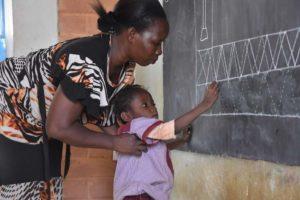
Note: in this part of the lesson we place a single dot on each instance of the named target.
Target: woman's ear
(126, 116)
(132, 33)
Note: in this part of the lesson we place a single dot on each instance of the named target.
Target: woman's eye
(156, 44)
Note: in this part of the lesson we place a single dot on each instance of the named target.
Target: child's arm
(166, 131)
(180, 141)
(209, 99)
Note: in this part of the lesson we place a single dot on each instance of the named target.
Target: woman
(56, 90)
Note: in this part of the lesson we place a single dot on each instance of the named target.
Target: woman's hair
(139, 14)
(124, 98)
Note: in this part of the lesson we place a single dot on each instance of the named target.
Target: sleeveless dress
(79, 67)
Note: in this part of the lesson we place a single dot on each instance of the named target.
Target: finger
(216, 92)
(138, 143)
(138, 153)
(215, 95)
(128, 73)
(213, 84)
(131, 65)
(137, 137)
(215, 89)
(142, 148)
(130, 70)
(190, 129)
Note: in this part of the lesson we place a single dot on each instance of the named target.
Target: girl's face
(147, 45)
(143, 105)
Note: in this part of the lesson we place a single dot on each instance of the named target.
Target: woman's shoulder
(88, 40)
(94, 47)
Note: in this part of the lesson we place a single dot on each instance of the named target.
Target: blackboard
(252, 49)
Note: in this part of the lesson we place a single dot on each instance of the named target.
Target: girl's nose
(153, 109)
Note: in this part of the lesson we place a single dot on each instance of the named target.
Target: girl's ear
(125, 116)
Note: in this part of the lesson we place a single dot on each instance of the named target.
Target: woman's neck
(118, 54)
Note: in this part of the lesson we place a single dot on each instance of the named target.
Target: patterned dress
(79, 66)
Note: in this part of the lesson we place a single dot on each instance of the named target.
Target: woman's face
(147, 45)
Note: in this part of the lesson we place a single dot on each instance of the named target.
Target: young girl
(149, 176)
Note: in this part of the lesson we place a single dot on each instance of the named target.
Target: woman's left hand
(129, 144)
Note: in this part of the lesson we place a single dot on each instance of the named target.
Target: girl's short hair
(123, 99)
(139, 14)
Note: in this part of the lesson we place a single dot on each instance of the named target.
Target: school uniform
(152, 172)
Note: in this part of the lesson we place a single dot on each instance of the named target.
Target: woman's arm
(62, 124)
(210, 97)
(111, 130)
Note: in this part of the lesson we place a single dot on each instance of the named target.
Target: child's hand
(211, 94)
(187, 133)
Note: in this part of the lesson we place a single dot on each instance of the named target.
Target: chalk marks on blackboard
(204, 32)
(275, 94)
(249, 57)
(258, 75)
(250, 114)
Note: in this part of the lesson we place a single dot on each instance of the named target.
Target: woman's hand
(211, 95)
(62, 124)
(129, 144)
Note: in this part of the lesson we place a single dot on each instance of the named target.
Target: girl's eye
(144, 105)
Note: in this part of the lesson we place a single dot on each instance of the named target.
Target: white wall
(34, 25)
